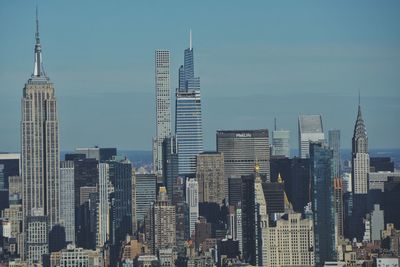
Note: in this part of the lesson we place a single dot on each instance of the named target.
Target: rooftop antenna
(190, 39)
(359, 98)
(275, 123)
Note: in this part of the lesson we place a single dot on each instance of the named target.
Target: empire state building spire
(38, 70)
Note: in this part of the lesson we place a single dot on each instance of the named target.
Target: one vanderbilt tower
(40, 144)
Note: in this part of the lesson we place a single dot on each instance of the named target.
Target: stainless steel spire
(38, 68)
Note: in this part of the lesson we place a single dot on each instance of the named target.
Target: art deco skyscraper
(40, 157)
(163, 106)
(188, 120)
(359, 173)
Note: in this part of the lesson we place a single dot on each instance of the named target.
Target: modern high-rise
(192, 199)
(146, 188)
(120, 172)
(67, 205)
(359, 173)
(9, 162)
(163, 106)
(323, 203)
(280, 143)
(290, 242)
(334, 144)
(188, 118)
(242, 149)
(210, 177)
(170, 164)
(40, 156)
(310, 130)
(103, 207)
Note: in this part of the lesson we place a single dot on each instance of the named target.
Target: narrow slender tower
(40, 158)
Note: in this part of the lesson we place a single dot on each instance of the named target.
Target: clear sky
(257, 60)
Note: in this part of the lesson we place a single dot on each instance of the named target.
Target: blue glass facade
(323, 202)
(188, 118)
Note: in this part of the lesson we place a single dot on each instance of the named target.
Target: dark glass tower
(323, 203)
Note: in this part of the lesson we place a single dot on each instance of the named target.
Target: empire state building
(40, 143)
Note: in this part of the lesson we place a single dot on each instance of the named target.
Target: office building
(280, 143)
(170, 163)
(188, 115)
(359, 174)
(86, 173)
(9, 166)
(377, 223)
(334, 144)
(146, 186)
(40, 155)
(248, 220)
(274, 193)
(98, 153)
(75, 256)
(310, 130)
(120, 173)
(36, 236)
(234, 190)
(381, 164)
(67, 205)
(104, 189)
(163, 106)
(296, 175)
(241, 149)
(162, 223)
(192, 199)
(290, 242)
(210, 177)
(339, 209)
(323, 203)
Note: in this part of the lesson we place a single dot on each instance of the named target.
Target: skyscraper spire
(190, 39)
(38, 68)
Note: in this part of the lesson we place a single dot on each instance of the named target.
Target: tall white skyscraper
(67, 205)
(163, 106)
(310, 130)
(192, 199)
(40, 157)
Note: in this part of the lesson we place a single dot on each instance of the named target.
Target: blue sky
(257, 60)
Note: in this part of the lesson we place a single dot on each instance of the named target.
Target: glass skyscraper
(323, 203)
(188, 119)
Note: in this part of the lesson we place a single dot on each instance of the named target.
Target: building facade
(290, 242)
(188, 115)
(163, 105)
(210, 177)
(359, 173)
(323, 203)
(242, 149)
(192, 199)
(40, 155)
(310, 130)
(280, 143)
(67, 205)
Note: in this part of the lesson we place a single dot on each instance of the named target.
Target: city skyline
(130, 79)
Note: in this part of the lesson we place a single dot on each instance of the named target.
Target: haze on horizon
(256, 62)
